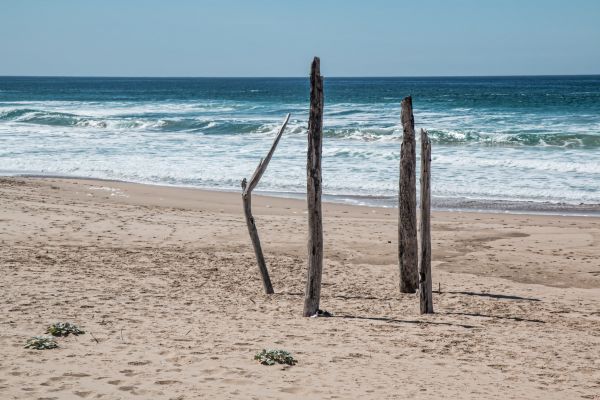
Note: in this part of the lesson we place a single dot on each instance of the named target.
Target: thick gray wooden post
(407, 203)
(313, 189)
(425, 294)
(247, 200)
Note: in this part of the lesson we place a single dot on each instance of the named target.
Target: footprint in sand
(127, 388)
(292, 390)
(139, 363)
(76, 375)
(128, 372)
(167, 382)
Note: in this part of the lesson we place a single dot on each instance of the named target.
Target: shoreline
(482, 230)
(514, 207)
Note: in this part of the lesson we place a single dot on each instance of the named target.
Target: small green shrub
(64, 329)
(41, 343)
(271, 357)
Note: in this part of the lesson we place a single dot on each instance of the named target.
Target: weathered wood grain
(425, 290)
(247, 188)
(407, 203)
(313, 188)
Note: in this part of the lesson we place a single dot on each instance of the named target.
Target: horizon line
(295, 76)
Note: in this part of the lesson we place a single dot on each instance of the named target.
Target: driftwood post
(407, 203)
(313, 189)
(425, 294)
(247, 199)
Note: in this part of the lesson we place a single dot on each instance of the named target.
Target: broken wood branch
(247, 188)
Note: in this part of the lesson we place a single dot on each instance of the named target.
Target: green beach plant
(41, 343)
(64, 329)
(272, 357)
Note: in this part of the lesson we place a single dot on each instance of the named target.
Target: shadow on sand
(518, 319)
(494, 296)
(404, 321)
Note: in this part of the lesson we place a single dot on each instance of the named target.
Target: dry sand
(165, 283)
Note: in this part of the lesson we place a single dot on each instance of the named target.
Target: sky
(279, 37)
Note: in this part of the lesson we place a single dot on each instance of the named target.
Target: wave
(202, 125)
(336, 128)
(456, 137)
(568, 140)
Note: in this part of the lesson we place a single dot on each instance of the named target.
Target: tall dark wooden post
(425, 294)
(313, 189)
(407, 203)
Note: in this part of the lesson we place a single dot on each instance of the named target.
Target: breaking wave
(225, 125)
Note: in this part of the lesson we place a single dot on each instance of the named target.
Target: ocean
(499, 143)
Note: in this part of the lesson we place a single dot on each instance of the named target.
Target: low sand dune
(165, 283)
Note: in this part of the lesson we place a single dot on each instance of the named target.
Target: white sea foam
(476, 155)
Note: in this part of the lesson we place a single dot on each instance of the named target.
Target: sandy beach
(165, 284)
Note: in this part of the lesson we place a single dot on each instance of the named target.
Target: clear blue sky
(279, 37)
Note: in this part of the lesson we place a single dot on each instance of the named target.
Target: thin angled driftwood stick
(247, 188)
(407, 203)
(313, 192)
(425, 291)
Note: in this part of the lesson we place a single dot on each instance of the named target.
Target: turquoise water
(500, 140)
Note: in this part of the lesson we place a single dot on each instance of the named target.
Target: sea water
(498, 142)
